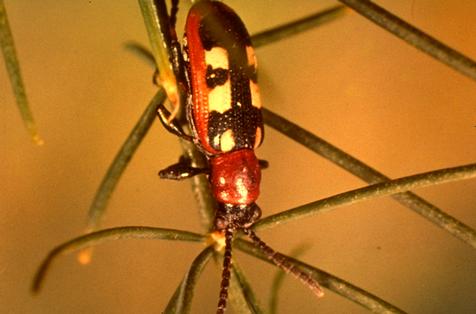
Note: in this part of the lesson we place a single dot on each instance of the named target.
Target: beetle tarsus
(172, 126)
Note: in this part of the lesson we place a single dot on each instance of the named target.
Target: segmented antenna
(282, 262)
(225, 276)
(173, 13)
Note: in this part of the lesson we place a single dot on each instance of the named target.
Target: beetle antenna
(283, 262)
(225, 276)
(173, 13)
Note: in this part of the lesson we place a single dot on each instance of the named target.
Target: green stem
(331, 282)
(14, 73)
(295, 27)
(116, 169)
(370, 175)
(279, 279)
(95, 238)
(377, 190)
(242, 297)
(183, 303)
(414, 36)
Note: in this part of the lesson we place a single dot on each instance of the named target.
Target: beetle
(224, 114)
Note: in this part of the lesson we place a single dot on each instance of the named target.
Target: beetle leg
(264, 164)
(155, 77)
(181, 170)
(172, 126)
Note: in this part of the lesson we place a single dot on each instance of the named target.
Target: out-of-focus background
(349, 82)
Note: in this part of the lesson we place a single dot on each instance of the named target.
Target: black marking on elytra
(216, 77)
(221, 27)
(243, 121)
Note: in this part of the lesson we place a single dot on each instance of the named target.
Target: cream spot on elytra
(227, 141)
(217, 57)
(219, 98)
(255, 95)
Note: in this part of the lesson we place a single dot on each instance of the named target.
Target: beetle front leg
(181, 170)
(172, 126)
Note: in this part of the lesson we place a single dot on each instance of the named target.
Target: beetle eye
(216, 77)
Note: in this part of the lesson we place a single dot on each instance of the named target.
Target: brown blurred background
(349, 82)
